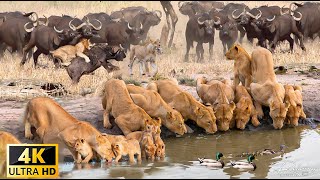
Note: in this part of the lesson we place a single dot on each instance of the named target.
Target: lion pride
(186, 104)
(5, 138)
(155, 106)
(117, 102)
(52, 121)
(265, 88)
(294, 97)
(242, 65)
(220, 95)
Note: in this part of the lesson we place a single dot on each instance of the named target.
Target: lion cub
(242, 65)
(84, 150)
(147, 146)
(68, 52)
(145, 53)
(127, 147)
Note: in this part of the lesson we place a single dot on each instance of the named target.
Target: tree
(168, 9)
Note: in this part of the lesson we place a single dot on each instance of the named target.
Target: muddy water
(300, 160)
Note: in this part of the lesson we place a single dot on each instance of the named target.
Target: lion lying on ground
(66, 53)
(294, 97)
(265, 89)
(185, 103)
(52, 121)
(155, 106)
(127, 147)
(117, 102)
(244, 109)
(242, 65)
(144, 54)
(148, 148)
(5, 138)
(220, 96)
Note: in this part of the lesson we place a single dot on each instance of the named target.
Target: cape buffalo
(99, 56)
(199, 29)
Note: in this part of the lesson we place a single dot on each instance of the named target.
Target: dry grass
(171, 59)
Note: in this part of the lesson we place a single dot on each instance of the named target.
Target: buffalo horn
(274, 16)
(58, 31)
(200, 21)
(28, 30)
(297, 19)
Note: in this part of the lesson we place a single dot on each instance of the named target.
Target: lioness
(242, 65)
(145, 53)
(294, 97)
(68, 52)
(186, 104)
(220, 96)
(155, 106)
(265, 89)
(244, 109)
(5, 138)
(83, 151)
(52, 121)
(116, 100)
(146, 140)
(84, 130)
(127, 147)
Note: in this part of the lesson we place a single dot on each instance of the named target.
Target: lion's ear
(197, 110)
(169, 115)
(272, 105)
(287, 105)
(236, 48)
(297, 87)
(232, 106)
(158, 120)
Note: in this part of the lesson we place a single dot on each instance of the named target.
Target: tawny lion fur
(68, 52)
(117, 102)
(185, 103)
(242, 65)
(5, 138)
(52, 121)
(265, 89)
(155, 106)
(220, 96)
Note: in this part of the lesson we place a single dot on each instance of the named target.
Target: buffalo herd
(30, 35)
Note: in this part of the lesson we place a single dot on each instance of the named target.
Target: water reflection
(183, 152)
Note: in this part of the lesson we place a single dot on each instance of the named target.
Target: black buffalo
(200, 28)
(15, 30)
(281, 28)
(47, 39)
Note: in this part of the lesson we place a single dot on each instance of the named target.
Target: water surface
(300, 160)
